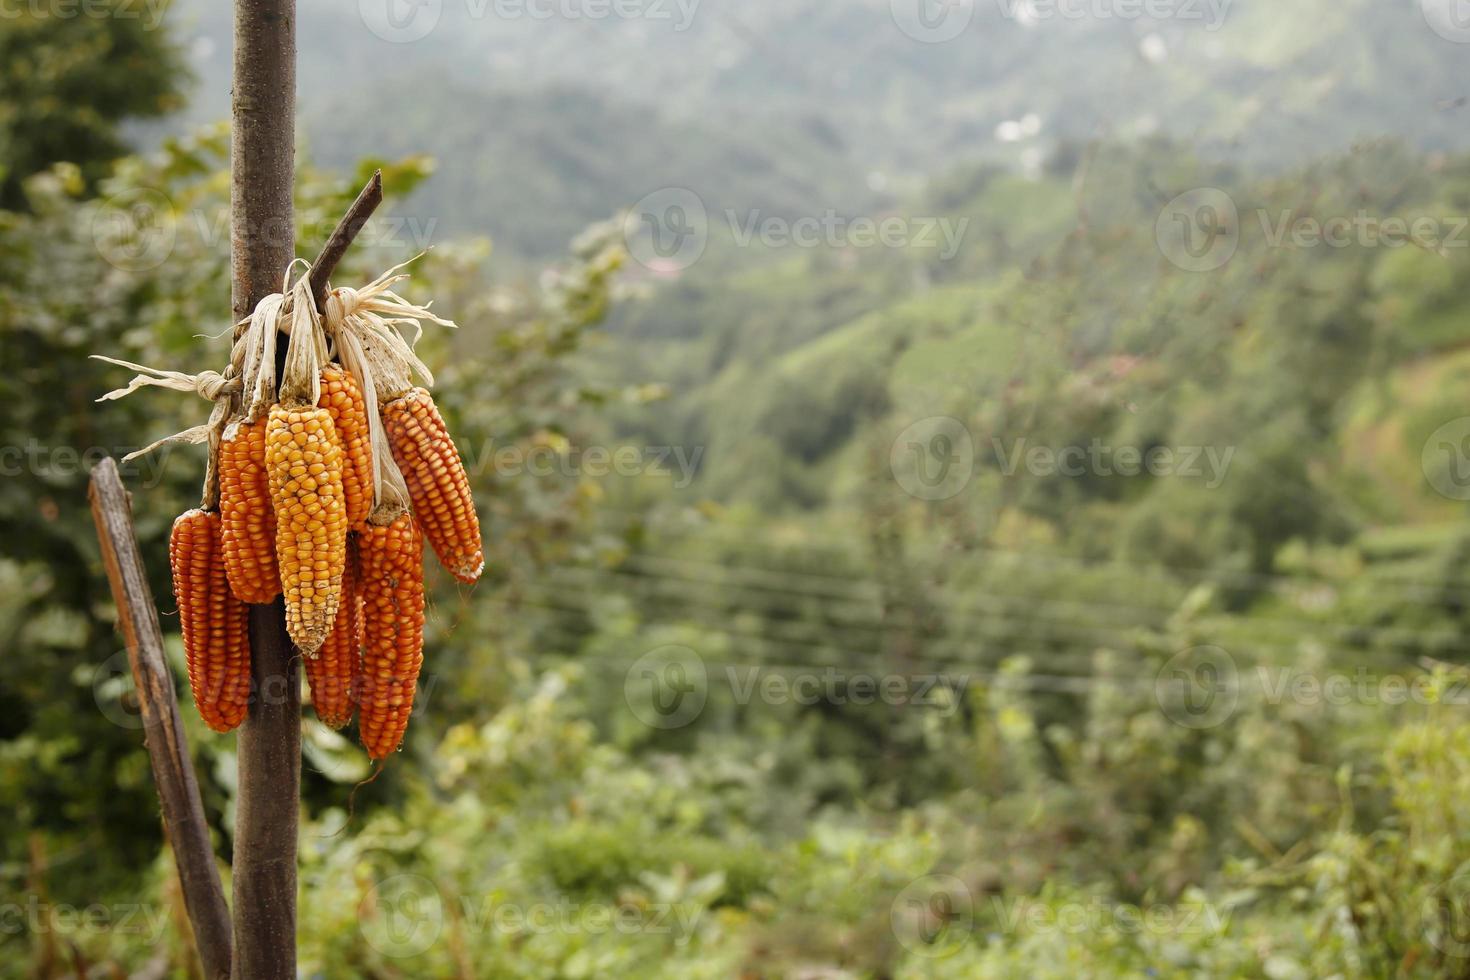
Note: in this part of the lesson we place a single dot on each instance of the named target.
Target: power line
(978, 611)
(1164, 573)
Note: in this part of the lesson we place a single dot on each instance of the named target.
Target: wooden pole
(168, 750)
(262, 245)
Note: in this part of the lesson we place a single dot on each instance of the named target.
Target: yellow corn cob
(343, 399)
(304, 463)
(247, 517)
(392, 567)
(437, 486)
(215, 624)
(333, 672)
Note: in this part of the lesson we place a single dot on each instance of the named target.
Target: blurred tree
(70, 74)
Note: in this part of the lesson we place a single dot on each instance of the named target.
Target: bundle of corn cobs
(321, 487)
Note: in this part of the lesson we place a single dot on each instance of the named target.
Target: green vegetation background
(1043, 813)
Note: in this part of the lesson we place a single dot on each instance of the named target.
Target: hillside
(810, 106)
(1063, 330)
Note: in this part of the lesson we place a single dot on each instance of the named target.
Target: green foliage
(1051, 802)
(71, 74)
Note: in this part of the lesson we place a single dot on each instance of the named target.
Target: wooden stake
(168, 750)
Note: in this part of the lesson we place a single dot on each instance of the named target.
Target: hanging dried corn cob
(342, 398)
(333, 673)
(248, 517)
(393, 631)
(214, 623)
(365, 324)
(304, 463)
(437, 485)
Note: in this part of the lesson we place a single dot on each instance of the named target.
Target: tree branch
(357, 215)
(168, 749)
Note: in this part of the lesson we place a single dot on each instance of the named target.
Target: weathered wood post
(262, 245)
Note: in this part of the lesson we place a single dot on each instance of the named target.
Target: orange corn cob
(247, 518)
(333, 672)
(304, 463)
(215, 624)
(392, 566)
(438, 488)
(342, 397)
